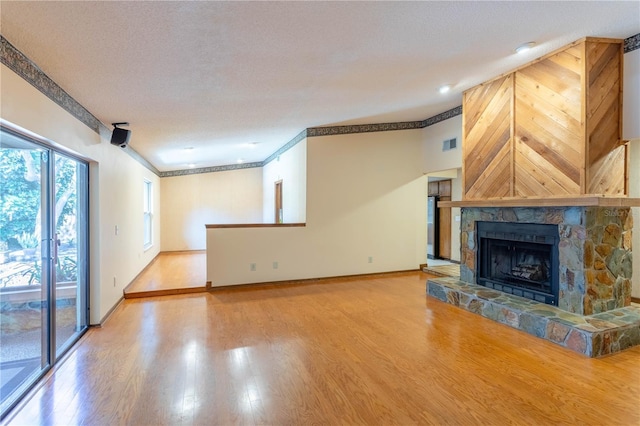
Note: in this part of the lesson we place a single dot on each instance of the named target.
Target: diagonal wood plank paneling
(603, 100)
(487, 139)
(559, 156)
(495, 182)
(477, 100)
(536, 176)
(549, 133)
(608, 174)
(552, 127)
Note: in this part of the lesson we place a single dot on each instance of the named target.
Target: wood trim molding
(304, 281)
(108, 314)
(574, 201)
(179, 252)
(166, 292)
(556, 51)
(256, 225)
(124, 290)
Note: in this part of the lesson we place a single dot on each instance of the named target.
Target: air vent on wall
(449, 144)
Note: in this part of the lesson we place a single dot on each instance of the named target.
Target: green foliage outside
(20, 196)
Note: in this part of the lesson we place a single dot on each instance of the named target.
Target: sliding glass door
(70, 249)
(43, 259)
(23, 298)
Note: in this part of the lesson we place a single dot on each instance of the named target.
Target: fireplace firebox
(520, 259)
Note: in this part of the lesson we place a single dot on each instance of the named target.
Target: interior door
(278, 202)
(433, 226)
(444, 230)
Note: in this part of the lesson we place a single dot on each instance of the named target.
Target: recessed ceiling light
(240, 160)
(444, 89)
(251, 144)
(191, 165)
(188, 148)
(525, 46)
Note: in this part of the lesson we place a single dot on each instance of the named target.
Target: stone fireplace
(519, 259)
(593, 272)
(576, 264)
(546, 221)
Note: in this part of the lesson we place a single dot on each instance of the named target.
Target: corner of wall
(634, 192)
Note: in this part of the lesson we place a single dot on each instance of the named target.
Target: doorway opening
(439, 220)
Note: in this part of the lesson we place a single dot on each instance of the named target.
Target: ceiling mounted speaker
(120, 136)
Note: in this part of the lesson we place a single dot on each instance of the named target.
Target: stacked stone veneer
(594, 251)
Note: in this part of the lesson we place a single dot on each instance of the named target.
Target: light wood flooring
(448, 270)
(171, 273)
(370, 351)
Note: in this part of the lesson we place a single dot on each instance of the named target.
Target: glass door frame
(48, 256)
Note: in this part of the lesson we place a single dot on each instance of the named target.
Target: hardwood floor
(372, 351)
(171, 273)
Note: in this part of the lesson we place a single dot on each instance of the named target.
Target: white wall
(433, 158)
(456, 195)
(365, 198)
(634, 191)
(446, 164)
(291, 168)
(192, 201)
(116, 185)
(631, 131)
(631, 96)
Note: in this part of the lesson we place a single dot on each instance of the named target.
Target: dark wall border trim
(140, 159)
(313, 132)
(25, 68)
(293, 142)
(212, 169)
(16, 61)
(632, 43)
(453, 112)
(362, 128)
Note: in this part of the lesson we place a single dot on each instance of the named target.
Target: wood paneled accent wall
(550, 128)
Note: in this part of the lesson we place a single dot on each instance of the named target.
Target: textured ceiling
(237, 80)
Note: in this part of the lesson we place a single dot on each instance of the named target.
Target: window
(148, 215)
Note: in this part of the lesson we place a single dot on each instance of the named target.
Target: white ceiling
(220, 76)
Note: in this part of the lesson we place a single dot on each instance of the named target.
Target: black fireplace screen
(520, 259)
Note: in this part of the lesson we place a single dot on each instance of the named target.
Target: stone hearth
(591, 335)
(593, 316)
